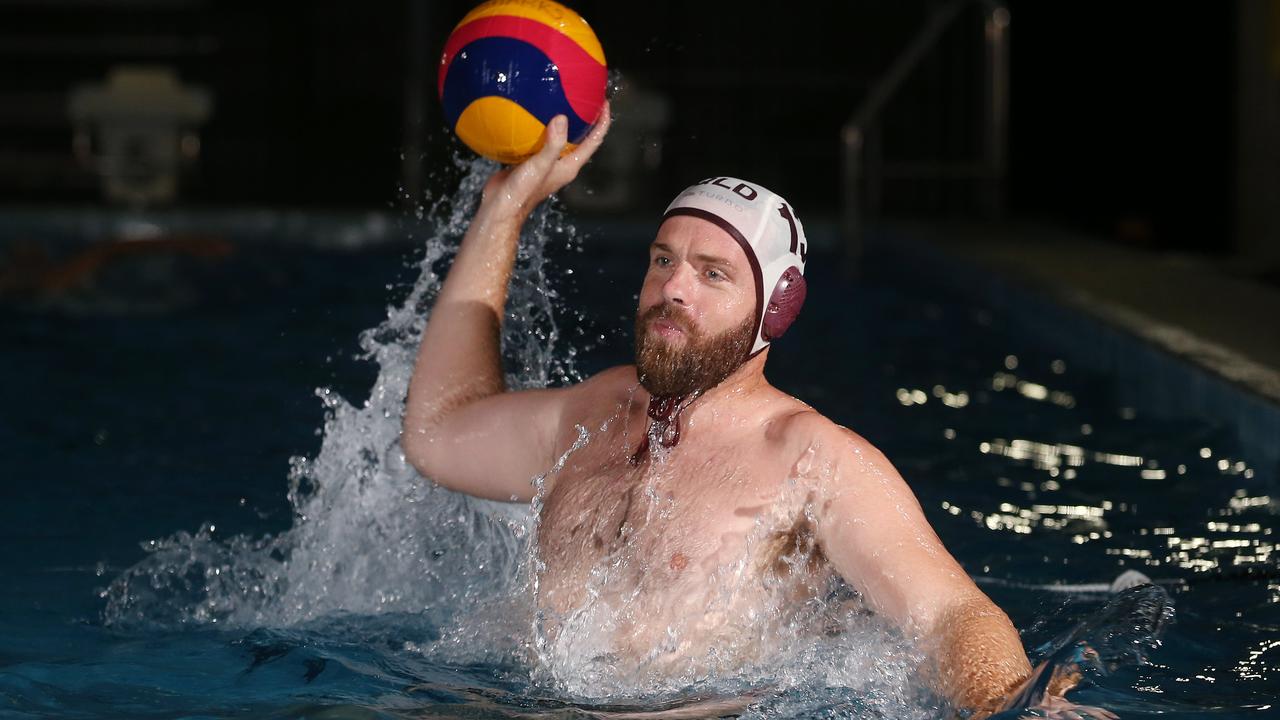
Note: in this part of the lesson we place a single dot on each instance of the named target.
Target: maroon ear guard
(784, 304)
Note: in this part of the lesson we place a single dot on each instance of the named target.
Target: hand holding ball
(512, 65)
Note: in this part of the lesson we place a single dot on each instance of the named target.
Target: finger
(554, 139)
(569, 166)
(587, 147)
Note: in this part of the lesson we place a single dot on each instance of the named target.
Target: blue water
(185, 422)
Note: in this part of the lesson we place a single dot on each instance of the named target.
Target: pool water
(191, 529)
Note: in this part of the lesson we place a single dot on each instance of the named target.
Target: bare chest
(671, 527)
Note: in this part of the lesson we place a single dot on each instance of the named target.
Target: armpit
(794, 552)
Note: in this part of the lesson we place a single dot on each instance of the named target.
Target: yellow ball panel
(548, 13)
(500, 129)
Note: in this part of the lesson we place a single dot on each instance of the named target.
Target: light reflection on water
(1080, 486)
(1066, 462)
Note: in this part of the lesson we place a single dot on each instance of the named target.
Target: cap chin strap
(664, 423)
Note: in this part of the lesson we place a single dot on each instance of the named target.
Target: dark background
(1123, 116)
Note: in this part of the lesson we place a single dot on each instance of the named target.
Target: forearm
(459, 359)
(978, 654)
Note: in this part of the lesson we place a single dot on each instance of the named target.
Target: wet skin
(694, 539)
(760, 500)
(700, 540)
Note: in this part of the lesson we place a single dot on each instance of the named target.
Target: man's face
(696, 318)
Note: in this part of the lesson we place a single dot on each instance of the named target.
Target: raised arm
(461, 428)
(875, 534)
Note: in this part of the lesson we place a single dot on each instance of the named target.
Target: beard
(666, 370)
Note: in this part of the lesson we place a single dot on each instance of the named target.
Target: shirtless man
(684, 499)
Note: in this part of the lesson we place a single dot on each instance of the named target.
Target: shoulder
(603, 392)
(826, 449)
(800, 425)
(619, 380)
(618, 374)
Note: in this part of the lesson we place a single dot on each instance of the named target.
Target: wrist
(499, 218)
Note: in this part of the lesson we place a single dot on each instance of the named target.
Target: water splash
(1122, 634)
(369, 535)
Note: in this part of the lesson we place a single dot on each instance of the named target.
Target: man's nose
(677, 289)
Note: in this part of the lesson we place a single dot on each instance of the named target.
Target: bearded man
(684, 501)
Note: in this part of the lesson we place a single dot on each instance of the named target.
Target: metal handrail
(860, 136)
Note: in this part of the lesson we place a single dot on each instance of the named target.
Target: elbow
(418, 439)
(428, 436)
(415, 448)
(420, 429)
(424, 446)
(421, 451)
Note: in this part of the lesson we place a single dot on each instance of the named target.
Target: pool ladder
(863, 167)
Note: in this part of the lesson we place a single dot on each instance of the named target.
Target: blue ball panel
(512, 69)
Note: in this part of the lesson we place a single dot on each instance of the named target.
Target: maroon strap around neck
(664, 424)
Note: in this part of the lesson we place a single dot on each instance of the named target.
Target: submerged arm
(873, 530)
(460, 426)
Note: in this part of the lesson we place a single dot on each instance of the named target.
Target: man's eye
(662, 261)
(715, 275)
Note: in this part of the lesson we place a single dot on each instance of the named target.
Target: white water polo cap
(770, 234)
